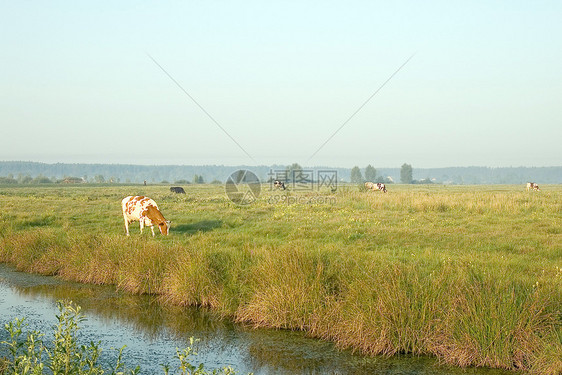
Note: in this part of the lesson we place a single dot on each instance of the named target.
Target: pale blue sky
(484, 87)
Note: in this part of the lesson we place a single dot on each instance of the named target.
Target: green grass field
(471, 274)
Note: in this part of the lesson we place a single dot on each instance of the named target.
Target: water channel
(152, 332)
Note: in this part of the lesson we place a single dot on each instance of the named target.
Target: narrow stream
(152, 332)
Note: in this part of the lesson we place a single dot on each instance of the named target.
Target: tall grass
(472, 276)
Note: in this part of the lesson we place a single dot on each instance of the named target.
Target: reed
(472, 276)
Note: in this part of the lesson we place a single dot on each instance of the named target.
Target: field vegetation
(471, 275)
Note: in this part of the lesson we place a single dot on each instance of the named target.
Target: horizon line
(269, 165)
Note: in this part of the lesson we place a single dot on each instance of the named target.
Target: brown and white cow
(145, 211)
(376, 186)
(532, 186)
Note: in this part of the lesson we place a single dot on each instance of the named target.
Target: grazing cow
(532, 186)
(279, 184)
(145, 211)
(378, 186)
(177, 190)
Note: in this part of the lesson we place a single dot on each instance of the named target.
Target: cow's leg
(152, 229)
(141, 225)
(126, 224)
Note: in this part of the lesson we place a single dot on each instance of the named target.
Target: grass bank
(472, 276)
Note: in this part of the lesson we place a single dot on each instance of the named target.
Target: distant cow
(279, 184)
(532, 186)
(375, 186)
(177, 190)
(145, 211)
(380, 186)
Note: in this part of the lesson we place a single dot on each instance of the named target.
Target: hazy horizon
(265, 83)
(288, 164)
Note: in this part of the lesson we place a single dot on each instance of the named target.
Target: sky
(319, 83)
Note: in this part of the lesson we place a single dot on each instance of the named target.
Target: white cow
(145, 211)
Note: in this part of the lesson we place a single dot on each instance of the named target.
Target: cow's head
(164, 227)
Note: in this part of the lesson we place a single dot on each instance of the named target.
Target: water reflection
(153, 331)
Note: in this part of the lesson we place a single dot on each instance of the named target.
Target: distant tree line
(32, 172)
(40, 179)
(406, 174)
(356, 177)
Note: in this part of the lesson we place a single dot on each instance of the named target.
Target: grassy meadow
(469, 274)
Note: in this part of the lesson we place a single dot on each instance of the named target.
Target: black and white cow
(380, 186)
(279, 184)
